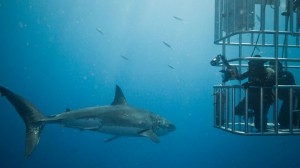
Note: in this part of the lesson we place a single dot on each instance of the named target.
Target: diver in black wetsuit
(285, 78)
(258, 76)
(295, 5)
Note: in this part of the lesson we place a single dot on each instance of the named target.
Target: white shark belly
(95, 124)
(83, 124)
(121, 130)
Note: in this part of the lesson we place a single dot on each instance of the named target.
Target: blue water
(67, 54)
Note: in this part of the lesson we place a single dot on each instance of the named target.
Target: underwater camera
(215, 61)
(230, 72)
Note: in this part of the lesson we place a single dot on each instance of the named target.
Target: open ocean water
(72, 53)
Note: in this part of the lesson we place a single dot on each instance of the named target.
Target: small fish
(177, 18)
(100, 31)
(125, 58)
(171, 67)
(168, 45)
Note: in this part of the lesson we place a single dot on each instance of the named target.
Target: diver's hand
(246, 85)
(230, 73)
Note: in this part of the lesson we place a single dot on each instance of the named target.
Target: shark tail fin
(31, 116)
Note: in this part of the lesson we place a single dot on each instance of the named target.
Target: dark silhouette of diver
(285, 78)
(258, 76)
(295, 5)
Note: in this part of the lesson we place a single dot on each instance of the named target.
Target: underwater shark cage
(271, 29)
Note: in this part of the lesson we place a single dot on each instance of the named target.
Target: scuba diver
(295, 6)
(285, 78)
(258, 76)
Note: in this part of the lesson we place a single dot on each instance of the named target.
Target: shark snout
(171, 127)
(168, 127)
(164, 126)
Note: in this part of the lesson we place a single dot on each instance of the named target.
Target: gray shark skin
(118, 119)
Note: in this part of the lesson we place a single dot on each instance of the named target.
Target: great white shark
(118, 119)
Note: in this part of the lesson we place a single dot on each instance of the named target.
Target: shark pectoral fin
(150, 134)
(111, 138)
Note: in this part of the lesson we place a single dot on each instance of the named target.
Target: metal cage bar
(235, 17)
(227, 101)
(255, 23)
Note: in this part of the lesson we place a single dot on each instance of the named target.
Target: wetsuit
(258, 76)
(285, 78)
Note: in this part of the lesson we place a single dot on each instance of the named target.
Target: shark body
(118, 119)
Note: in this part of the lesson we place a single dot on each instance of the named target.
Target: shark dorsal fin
(119, 97)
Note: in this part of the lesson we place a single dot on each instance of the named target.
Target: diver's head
(279, 66)
(256, 64)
